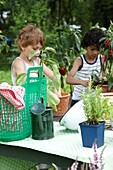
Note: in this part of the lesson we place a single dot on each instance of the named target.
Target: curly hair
(30, 35)
(92, 37)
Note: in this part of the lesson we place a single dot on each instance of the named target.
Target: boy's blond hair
(30, 35)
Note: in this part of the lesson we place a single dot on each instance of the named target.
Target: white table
(62, 150)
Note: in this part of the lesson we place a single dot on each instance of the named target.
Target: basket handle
(39, 75)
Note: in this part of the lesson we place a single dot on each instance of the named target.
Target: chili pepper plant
(67, 46)
(107, 51)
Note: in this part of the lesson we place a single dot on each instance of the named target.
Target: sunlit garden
(51, 91)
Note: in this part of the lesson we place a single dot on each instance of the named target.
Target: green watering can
(42, 121)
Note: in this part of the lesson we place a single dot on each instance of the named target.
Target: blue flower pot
(90, 133)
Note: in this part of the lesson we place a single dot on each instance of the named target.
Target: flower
(98, 160)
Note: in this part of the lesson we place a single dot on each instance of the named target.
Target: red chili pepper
(110, 53)
(107, 44)
(62, 71)
(104, 59)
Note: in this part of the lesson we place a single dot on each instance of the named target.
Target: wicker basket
(14, 123)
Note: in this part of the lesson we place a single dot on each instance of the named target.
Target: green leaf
(57, 77)
(7, 48)
(50, 49)
(43, 55)
(20, 79)
(32, 54)
(52, 99)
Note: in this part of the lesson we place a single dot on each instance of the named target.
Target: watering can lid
(38, 108)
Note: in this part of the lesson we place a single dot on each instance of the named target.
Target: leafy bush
(5, 76)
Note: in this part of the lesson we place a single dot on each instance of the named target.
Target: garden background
(54, 18)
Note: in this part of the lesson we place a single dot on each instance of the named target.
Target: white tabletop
(68, 144)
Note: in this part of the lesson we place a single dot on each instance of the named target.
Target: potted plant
(62, 106)
(107, 51)
(97, 109)
(103, 82)
(67, 46)
(107, 64)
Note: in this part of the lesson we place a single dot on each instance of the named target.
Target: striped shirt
(84, 73)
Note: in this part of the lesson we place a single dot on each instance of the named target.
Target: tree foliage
(102, 12)
(48, 14)
(52, 15)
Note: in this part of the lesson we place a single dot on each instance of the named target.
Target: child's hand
(103, 78)
(85, 83)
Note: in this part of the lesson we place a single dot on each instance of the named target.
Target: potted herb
(97, 109)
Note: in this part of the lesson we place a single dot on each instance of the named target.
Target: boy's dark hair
(92, 37)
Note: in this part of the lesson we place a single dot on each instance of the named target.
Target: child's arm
(71, 79)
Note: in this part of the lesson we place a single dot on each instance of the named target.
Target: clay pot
(105, 88)
(62, 107)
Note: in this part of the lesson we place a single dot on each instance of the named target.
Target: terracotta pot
(62, 107)
(111, 90)
(105, 88)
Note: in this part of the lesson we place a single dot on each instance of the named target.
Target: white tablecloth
(68, 144)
